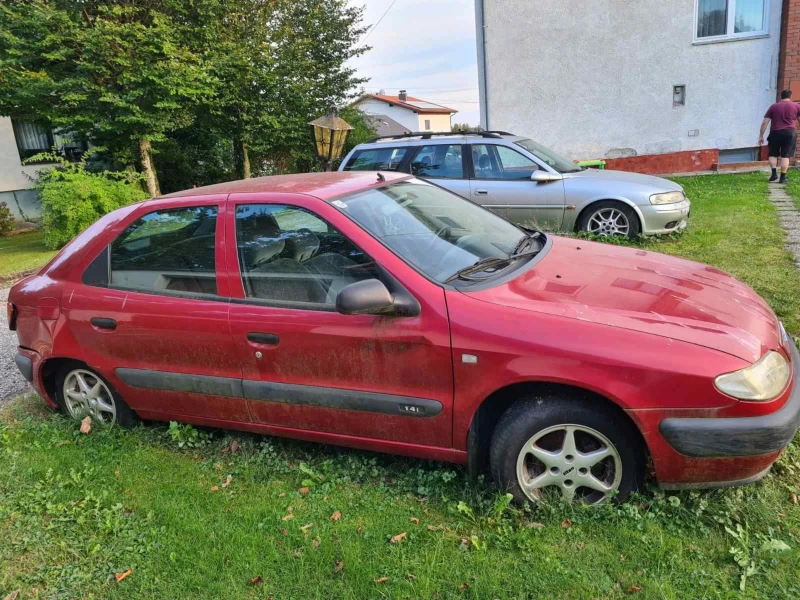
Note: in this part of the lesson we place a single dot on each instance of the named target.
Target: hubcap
(609, 221)
(579, 461)
(86, 395)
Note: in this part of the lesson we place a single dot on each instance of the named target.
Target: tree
(465, 127)
(310, 44)
(139, 77)
(121, 73)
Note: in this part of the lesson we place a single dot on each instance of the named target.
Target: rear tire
(574, 448)
(610, 217)
(82, 392)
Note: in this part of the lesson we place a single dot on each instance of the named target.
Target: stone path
(789, 217)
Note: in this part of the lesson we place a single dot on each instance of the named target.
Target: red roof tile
(439, 110)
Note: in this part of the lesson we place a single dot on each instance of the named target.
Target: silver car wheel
(85, 394)
(608, 221)
(578, 461)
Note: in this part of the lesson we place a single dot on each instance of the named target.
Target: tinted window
(288, 254)
(380, 159)
(498, 162)
(440, 160)
(168, 250)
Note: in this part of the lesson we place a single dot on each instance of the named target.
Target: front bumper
(737, 436)
(656, 217)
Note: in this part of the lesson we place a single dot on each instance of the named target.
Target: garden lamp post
(330, 136)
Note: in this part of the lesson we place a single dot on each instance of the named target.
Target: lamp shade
(330, 136)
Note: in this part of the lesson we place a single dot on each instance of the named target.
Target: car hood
(656, 184)
(643, 291)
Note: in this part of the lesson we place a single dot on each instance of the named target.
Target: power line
(455, 101)
(374, 27)
(424, 90)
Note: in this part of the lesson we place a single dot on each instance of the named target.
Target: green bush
(73, 198)
(6, 220)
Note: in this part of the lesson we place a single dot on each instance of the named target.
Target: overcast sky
(426, 47)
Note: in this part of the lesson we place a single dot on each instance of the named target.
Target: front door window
(290, 255)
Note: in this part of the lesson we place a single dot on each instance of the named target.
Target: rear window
(169, 250)
(377, 159)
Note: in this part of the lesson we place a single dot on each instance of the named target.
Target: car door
(501, 182)
(151, 312)
(442, 164)
(307, 367)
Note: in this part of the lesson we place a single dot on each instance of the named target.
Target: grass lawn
(22, 252)
(276, 518)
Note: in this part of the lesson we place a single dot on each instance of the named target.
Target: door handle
(482, 192)
(269, 339)
(101, 323)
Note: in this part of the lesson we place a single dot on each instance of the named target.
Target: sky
(426, 47)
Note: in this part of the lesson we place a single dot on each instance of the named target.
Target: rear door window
(170, 250)
(377, 159)
(439, 161)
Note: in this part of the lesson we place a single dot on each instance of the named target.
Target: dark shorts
(782, 143)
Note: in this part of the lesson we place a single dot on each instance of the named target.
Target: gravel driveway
(11, 382)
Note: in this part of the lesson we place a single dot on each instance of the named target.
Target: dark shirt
(783, 115)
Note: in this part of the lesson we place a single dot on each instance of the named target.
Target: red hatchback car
(385, 313)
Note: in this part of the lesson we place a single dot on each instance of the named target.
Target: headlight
(667, 198)
(762, 380)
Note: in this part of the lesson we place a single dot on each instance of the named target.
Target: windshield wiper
(487, 263)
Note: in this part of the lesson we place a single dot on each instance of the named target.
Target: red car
(381, 312)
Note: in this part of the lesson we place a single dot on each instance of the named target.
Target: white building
(686, 80)
(412, 113)
(20, 140)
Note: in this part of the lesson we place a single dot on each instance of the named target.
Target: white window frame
(427, 124)
(729, 36)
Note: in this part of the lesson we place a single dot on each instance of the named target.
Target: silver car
(529, 184)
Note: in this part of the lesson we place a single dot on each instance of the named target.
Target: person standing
(782, 141)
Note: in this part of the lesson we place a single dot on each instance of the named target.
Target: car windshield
(434, 230)
(547, 156)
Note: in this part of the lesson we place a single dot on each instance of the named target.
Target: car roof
(429, 138)
(324, 186)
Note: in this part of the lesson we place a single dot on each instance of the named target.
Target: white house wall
(407, 118)
(438, 122)
(594, 79)
(12, 173)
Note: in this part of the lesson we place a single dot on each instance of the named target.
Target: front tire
(568, 449)
(82, 392)
(610, 217)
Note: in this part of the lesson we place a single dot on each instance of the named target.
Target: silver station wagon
(529, 184)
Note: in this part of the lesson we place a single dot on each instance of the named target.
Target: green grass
(23, 252)
(76, 509)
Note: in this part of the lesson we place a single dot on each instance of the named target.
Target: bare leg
(784, 165)
(773, 162)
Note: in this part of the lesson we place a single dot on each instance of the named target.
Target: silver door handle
(481, 192)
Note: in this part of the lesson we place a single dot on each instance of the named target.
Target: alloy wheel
(609, 221)
(85, 394)
(578, 461)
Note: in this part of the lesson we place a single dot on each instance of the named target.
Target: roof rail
(426, 135)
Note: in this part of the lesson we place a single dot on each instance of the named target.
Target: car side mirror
(545, 177)
(368, 297)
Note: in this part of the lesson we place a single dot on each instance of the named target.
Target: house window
(427, 124)
(719, 20)
(33, 138)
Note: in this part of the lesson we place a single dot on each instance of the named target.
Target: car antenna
(381, 176)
